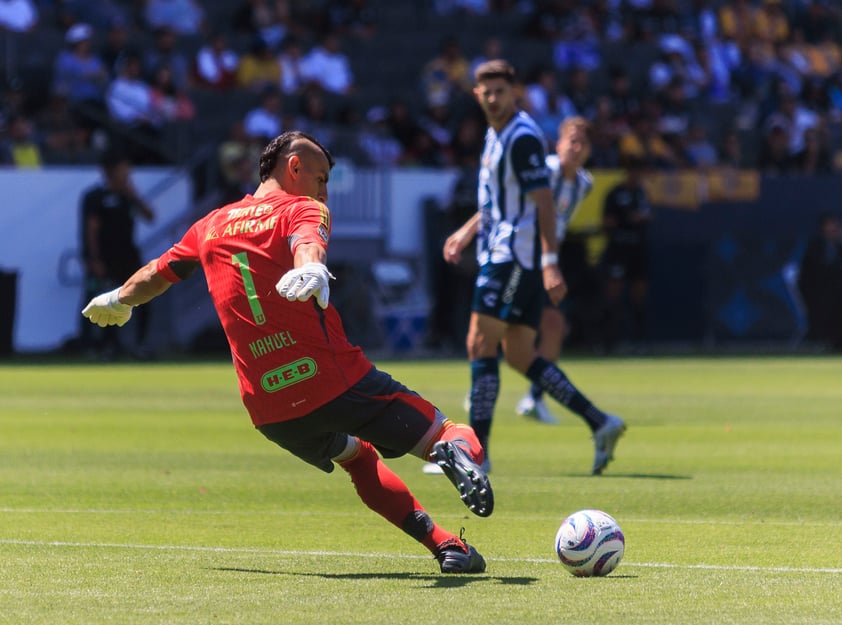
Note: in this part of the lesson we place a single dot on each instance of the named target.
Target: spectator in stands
(170, 103)
(352, 18)
(675, 109)
(701, 22)
(549, 20)
(834, 97)
(237, 145)
(259, 68)
(130, 107)
(814, 157)
(625, 105)
(13, 99)
(19, 148)
(185, 17)
(798, 119)
(402, 123)
(291, 60)
(604, 136)
(492, 48)
(579, 98)
(216, 63)
(700, 150)
(774, 156)
(820, 282)
(313, 116)
(80, 74)
(129, 96)
(466, 146)
(717, 61)
(544, 100)
(424, 151)
(578, 45)
(265, 122)
(445, 78)
(438, 121)
(243, 180)
(327, 65)
(376, 141)
(65, 141)
(167, 52)
(677, 63)
(267, 19)
(644, 143)
(814, 96)
(731, 153)
(19, 16)
(771, 25)
(819, 21)
(737, 21)
(117, 42)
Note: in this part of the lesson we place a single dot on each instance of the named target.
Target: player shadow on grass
(440, 581)
(634, 476)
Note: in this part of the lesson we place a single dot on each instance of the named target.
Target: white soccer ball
(590, 543)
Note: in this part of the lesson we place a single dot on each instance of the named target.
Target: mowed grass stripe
(348, 554)
(351, 513)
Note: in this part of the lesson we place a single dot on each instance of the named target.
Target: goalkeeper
(304, 385)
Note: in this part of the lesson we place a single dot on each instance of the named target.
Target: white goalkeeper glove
(106, 310)
(304, 282)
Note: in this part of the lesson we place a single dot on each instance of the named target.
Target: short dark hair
(282, 146)
(495, 68)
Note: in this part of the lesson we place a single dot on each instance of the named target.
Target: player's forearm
(466, 233)
(469, 228)
(145, 285)
(310, 253)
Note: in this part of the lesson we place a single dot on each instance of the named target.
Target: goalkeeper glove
(306, 281)
(106, 310)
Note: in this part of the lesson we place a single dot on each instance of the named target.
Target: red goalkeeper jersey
(290, 357)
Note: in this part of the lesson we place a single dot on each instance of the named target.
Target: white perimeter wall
(39, 220)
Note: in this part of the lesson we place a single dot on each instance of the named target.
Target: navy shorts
(508, 292)
(377, 409)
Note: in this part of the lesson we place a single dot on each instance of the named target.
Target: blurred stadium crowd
(676, 83)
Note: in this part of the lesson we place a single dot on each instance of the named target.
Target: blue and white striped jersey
(513, 164)
(567, 196)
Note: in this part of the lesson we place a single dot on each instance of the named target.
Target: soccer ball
(590, 543)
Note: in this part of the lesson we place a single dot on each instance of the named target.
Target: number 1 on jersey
(241, 261)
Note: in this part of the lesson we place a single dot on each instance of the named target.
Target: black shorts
(508, 292)
(377, 409)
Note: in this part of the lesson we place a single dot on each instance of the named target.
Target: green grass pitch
(140, 494)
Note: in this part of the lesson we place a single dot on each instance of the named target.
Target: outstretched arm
(115, 306)
(145, 285)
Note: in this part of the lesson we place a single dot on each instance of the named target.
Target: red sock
(465, 436)
(387, 494)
